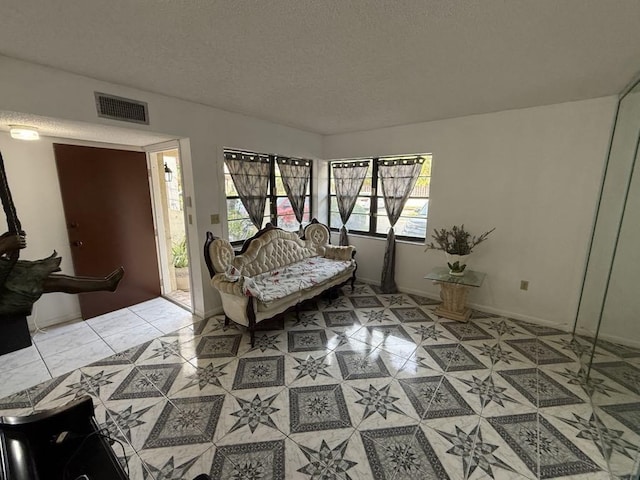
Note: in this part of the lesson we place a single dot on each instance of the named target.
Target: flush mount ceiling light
(20, 132)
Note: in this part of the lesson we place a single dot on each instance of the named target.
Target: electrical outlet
(215, 219)
(524, 285)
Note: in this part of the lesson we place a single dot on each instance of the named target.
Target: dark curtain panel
(398, 177)
(348, 178)
(295, 178)
(250, 175)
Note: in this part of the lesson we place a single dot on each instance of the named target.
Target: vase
(462, 262)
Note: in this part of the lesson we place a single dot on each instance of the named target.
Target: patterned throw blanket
(271, 286)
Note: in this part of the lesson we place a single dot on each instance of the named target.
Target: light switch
(215, 219)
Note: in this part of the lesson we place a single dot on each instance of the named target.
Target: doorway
(168, 201)
(107, 207)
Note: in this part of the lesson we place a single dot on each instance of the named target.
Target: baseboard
(482, 308)
(212, 312)
(35, 323)
(610, 338)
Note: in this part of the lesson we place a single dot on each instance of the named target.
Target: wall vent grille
(124, 109)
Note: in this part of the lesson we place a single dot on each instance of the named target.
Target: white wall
(204, 132)
(534, 174)
(39, 209)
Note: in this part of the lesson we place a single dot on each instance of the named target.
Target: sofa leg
(353, 281)
(226, 321)
(298, 311)
(253, 337)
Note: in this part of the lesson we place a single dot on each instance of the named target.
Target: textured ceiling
(51, 127)
(331, 66)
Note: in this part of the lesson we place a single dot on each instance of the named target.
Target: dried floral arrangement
(456, 240)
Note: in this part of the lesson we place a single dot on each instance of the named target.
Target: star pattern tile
(466, 331)
(340, 318)
(312, 367)
(266, 342)
(401, 452)
(378, 401)
(379, 316)
(88, 384)
(621, 372)
(539, 388)
(453, 357)
(358, 365)
(474, 452)
(541, 446)
(538, 352)
(207, 375)
(254, 412)
(428, 332)
(496, 353)
(307, 340)
(321, 407)
(259, 372)
(147, 381)
(310, 399)
(435, 397)
(607, 440)
(410, 314)
(487, 391)
(215, 346)
(249, 461)
(327, 463)
(185, 421)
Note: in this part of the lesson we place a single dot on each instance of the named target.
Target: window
(369, 216)
(277, 210)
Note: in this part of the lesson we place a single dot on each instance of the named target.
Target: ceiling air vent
(124, 109)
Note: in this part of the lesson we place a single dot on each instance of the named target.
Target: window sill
(418, 243)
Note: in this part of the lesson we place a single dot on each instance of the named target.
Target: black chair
(63, 443)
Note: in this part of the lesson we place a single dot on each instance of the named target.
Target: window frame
(272, 193)
(374, 197)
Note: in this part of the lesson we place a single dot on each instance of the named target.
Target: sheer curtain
(250, 175)
(295, 175)
(348, 178)
(398, 177)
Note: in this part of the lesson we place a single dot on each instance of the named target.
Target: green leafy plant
(456, 267)
(179, 254)
(456, 240)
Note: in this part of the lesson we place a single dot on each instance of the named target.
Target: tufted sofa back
(268, 250)
(275, 249)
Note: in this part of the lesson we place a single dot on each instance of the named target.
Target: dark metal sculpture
(13, 223)
(22, 282)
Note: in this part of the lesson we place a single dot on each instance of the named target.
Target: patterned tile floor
(365, 386)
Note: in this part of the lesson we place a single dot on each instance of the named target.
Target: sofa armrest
(339, 253)
(220, 283)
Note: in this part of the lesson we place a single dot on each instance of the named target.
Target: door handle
(73, 225)
(77, 243)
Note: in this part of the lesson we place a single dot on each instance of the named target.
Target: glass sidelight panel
(607, 328)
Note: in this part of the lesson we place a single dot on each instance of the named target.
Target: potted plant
(181, 264)
(458, 244)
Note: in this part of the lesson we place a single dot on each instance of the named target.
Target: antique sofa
(276, 270)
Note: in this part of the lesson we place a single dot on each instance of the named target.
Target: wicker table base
(454, 298)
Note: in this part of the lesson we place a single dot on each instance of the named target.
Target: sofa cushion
(339, 253)
(298, 276)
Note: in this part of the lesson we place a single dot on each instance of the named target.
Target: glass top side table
(453, 292)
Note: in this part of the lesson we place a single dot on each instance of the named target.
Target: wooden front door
(107, 207)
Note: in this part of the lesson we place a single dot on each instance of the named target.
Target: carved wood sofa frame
(316, 237)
